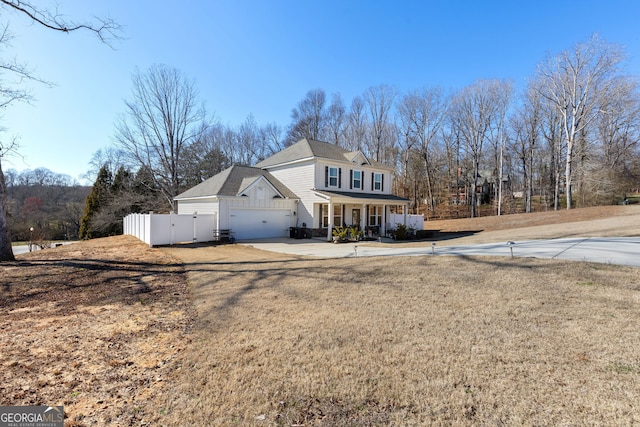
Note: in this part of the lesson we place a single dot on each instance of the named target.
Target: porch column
(363, 217)
(405, 208)
(330, 230)
(383, 226)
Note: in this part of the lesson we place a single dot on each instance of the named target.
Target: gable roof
(232, 181)
(309, 149)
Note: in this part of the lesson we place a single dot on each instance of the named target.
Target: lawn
(407, 341)
(121, 334)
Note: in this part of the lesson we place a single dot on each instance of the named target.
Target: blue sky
(261, 57)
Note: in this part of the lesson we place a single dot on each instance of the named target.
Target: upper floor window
(333, 177)
(356, 179)
(377, 181)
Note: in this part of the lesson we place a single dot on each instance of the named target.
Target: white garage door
(259, 223)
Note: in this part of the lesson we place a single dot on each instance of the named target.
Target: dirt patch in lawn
(94, 326)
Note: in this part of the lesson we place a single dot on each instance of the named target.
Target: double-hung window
(377, 181)
(356, 180)
(333, 177)
(337, 215)
(375, 215)
(324, 209)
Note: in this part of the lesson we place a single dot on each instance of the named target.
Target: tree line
(569, 138)
(43, 205)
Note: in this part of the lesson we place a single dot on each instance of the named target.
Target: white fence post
(195, 230)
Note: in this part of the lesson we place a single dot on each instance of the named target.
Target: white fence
(167, 229)
(414, 221)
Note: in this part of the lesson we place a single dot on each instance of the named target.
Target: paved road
(609, 250)
(24, 249)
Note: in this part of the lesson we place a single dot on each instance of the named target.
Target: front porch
(366, 212)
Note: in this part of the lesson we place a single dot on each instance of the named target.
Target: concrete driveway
(608, 250)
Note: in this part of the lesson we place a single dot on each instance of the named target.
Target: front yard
(407, 341)
(121, 334)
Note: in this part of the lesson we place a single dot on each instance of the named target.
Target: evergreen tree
(119, 204)
(96, 200)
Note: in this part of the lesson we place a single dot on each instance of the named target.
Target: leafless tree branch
(105, 29)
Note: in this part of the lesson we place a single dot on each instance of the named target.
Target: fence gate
(167, 229)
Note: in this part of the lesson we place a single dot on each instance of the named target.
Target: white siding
(302, 178)
(260, 194)
(202, 206)
(346, 176)
(299, 178)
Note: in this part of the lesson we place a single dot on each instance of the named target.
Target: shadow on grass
(439, 236)
(211, 280)
(449, 235)
(90, 281)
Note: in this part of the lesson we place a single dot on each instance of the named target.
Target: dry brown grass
(104, 328)
(95, 327)
(601, 221)
(407, 341)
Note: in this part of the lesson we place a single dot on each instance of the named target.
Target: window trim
(333, 178)
(375, 213)
(324, 215)
(339, 216)
(359, 180)
(377, 181)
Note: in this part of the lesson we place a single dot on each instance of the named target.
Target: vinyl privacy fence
(414, 221)
(167, 229)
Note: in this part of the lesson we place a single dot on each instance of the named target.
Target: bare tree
(11, 90)
(525, 127)
(379, 101)
(308, 117)
(105, 29)
(473, 112)
(576, 82)
(618, 124)
(205, 157)
(407, 144)
(336, 120)
(163, 117)
(271, 135)
(111, 156)
(423, 113)
(6, 252)
(503, 94)
(606, 164)
(248, 144)
(357, 125)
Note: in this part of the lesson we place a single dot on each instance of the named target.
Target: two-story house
(310, 184)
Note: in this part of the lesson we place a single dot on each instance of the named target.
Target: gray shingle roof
(365, 196)
(231, 181)
(309, 148)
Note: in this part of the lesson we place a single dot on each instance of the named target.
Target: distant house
(487, 185)
(311, 184)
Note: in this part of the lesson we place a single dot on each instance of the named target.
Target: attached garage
(259, 223)
(248, 201)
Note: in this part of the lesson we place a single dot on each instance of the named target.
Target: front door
(355, 217)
